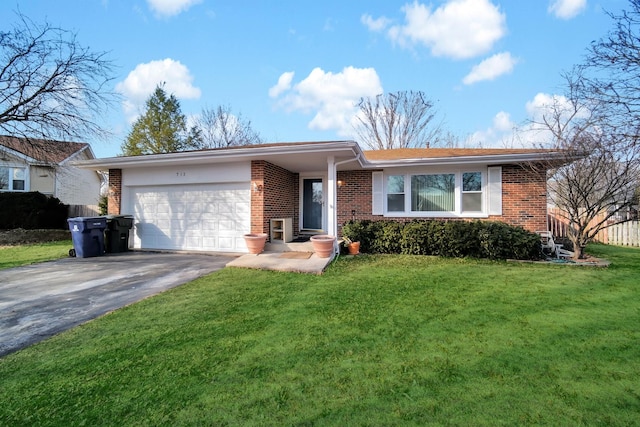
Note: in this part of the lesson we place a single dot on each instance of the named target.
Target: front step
(288, 247)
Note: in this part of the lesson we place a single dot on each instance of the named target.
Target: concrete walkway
(297, 262)
(41, 300)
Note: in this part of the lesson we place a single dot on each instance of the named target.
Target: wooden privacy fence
(622, 234)
(83, 210)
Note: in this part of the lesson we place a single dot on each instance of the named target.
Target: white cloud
(491, 68)
(167, 8)
(566, 9)
(142, 81)
(530, 133)
(283, 85)
(458, 29)
(543, 103)
(375, 24)
(498, 135)
(502, 122)
(332, 97)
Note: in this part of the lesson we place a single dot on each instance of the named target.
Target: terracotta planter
(354, 248)
(323, 245)
(255, 242)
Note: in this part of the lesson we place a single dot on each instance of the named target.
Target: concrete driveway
(41, 300)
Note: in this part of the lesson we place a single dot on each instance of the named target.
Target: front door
(312, 203)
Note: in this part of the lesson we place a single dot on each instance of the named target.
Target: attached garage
(206, 217)
(191, 207)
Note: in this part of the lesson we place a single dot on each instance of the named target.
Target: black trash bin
(87, 234)
(117, 233)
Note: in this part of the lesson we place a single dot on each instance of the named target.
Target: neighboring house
(45, 166)
(206, 200)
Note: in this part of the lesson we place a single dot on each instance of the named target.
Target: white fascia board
(495, 159)
(76, 154)
(219, 155)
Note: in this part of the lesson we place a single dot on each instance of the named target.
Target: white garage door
(207, 217)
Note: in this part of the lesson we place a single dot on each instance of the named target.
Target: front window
(395, 193)
(12, 179)
(433, 193)
(472, 192)
(436, 194)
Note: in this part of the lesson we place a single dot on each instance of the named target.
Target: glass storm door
(312, 204)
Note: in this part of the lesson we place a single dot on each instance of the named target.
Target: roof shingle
(42, 150)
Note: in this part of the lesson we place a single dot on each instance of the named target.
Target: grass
(15, 256)
(376, 340)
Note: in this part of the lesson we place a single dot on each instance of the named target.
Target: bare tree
(613, 63)
(220, 128)
(50, 86)
(398, 120)
(593, 175)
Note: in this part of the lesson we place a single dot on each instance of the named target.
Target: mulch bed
(587, 261)
(20, 236)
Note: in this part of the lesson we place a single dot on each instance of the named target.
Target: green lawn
(375, 341)
(14, 256)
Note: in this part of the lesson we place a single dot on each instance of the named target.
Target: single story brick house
(207, 200)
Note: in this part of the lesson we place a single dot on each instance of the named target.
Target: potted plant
(353, 232)
(323, 245)
(255, 242)
(352, 247)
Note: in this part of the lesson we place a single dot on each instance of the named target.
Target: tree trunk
(578, 245)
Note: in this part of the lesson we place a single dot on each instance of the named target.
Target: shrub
(103, 204)
(478, 239)
(32, 210)
(417, 238)
(500, 241)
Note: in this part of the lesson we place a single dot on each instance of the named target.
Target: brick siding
(524, 198)
(114, 202)
(279, 197)
(354, 196)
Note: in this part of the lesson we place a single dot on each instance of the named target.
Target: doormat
(301, 239)
(296, 255)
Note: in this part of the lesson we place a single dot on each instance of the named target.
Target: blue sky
(297, 68)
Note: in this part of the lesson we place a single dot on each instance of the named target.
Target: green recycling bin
(117, 233)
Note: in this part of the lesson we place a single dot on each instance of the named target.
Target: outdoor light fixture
(257, 188)
(340, 183)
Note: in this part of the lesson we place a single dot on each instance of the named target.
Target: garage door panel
(225, 207)
(243, 208)
(161, 206)
(209, 208)
(210, 243)
(226, 243)
(209, 225)
(211, 217)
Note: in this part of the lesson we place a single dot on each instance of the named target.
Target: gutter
(218, 155)
(469, 160)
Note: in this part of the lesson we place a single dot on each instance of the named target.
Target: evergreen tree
(161, 129)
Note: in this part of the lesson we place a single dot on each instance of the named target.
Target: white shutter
(377, 196)
(495, 190)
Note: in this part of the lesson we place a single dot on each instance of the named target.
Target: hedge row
(32, 210)
(476, 239)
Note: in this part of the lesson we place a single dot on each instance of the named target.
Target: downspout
(333, 195)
